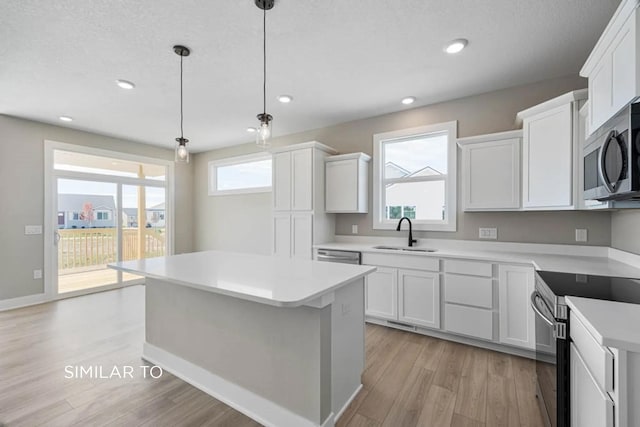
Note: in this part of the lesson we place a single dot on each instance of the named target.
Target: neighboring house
(401, 198)
(86, 211)
(154, 215)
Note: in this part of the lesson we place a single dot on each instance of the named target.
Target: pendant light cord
(264, 62)
(181, 113)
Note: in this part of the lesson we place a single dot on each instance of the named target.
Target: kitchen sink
(404, 248)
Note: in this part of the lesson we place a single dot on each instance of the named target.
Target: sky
(416, 154)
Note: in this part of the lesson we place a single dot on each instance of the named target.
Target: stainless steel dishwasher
(344, 257)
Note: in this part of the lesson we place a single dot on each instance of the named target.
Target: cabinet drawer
(468, 267)
(415, 262)
(475, 322)
(590, 406)
(469, 290)
(599, 360)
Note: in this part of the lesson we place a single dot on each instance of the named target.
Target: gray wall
(22, 192)
(476, 115)
(625, 230)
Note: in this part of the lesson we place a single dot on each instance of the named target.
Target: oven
(553, 327)
(611, 160)
(552, 355)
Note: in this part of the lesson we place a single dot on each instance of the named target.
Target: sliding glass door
(104, 209)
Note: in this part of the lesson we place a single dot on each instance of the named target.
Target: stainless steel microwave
(611, 160)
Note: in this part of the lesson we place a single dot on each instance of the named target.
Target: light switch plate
(32, 229)
(354, 229)
(581, 234)
(37, 274)
(488, 233)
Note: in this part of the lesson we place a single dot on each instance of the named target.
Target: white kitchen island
(281, 340)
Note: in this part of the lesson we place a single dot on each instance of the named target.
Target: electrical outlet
(581, 234)
(32, 229)
(354, 229)
(37, 274)
(488, 233)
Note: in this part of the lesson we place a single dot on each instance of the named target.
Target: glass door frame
(50, 212)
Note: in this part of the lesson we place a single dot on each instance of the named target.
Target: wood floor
(409, 380)
(413, 380)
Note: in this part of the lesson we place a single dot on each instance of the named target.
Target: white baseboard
(348, 402)
(252, 405)
(10, 304)
(489, 345)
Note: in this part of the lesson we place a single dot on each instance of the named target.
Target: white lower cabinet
(471, 321)
(517, 319)
(590, 406)
(382, 294)
(419, 298)
(408, 296)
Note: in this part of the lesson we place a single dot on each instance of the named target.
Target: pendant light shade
(264, 131)
(182, 152)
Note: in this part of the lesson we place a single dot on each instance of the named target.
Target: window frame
(237, 160)
(450, 222)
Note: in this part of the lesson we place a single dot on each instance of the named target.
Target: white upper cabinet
(298, 176)
(612, 68)
(491, 171)
(549, 149)
(346, 183)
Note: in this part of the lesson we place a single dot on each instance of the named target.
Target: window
(102, 215)
(238, 175)
(415, 176)
(397, 212)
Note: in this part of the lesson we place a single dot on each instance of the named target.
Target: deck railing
(87, 247)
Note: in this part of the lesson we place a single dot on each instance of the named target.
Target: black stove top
(599, 287)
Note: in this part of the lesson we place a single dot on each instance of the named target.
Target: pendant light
(182, 152)
(263, 133)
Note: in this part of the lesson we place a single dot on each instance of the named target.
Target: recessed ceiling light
(125, 84)
(66, 118)
(409, 100)
(251, 129)
(455, 46)
(285, 99)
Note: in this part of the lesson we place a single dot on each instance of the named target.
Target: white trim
(620, 17)
(252, 405)
(450, 223)
(351, 156)
(12, 303)
(490, 137)
(567, 98)
(301, 146)
(347, 403)
(238, 160)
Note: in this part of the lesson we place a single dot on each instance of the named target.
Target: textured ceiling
(340, 59)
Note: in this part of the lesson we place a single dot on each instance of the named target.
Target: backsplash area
(530, 227)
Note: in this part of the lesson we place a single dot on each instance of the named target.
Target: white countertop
(613, 324)
(265, 279)
(549, 261)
